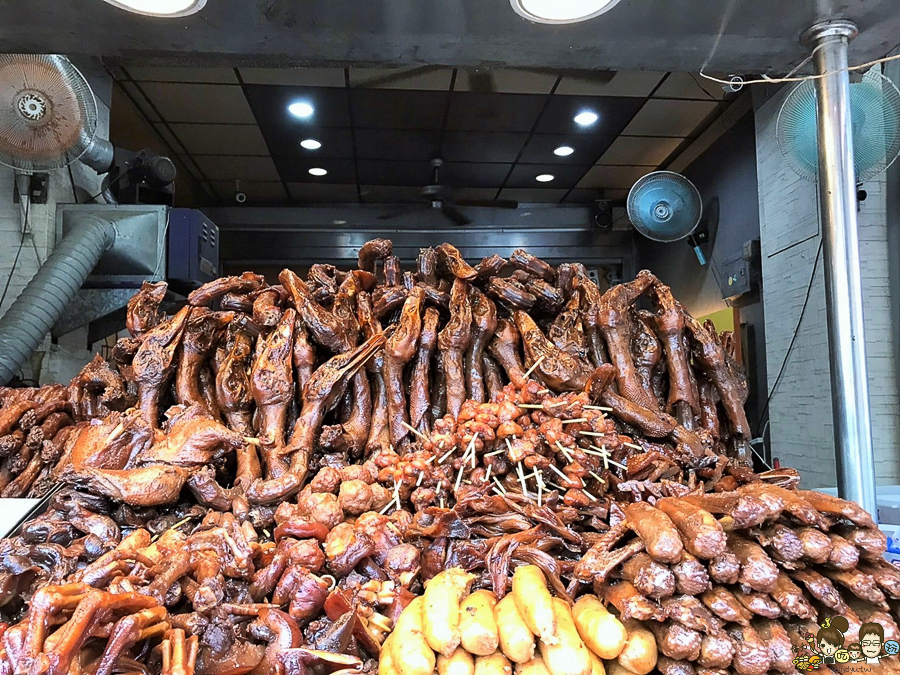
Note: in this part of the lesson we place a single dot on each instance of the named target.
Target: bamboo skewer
(533, 366)
(418, 433)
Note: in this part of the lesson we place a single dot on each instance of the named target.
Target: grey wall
(800, 412)
(53, 362)
(726, 172)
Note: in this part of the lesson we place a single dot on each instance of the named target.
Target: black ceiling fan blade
(454, 214)
(399, 76)
(488, 203)
(403, 212)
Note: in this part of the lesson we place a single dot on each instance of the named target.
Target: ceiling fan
(439, 197)
(481, 78)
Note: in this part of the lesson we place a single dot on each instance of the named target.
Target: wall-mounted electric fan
(665, 206)
(874, 117)
(48, 115)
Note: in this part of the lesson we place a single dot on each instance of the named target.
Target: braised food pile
(266, 481)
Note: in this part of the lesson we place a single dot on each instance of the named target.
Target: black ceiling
(681, 35)
(380, 128)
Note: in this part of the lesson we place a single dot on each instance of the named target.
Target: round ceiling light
(318, 172)
(561, 11)
(586, 118)
(563, 151)
(544, 177)
(310, 144)
(160, 8)
(301, 109)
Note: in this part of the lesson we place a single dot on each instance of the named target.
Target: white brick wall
(54, 362)
(800, 411)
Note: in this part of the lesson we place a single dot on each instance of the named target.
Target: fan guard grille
(664, 206)
(48, 115)
(874, 114)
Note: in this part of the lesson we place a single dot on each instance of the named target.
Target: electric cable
(787, 354)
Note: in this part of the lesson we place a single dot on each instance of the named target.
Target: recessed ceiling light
(317, 172)
(301, 109)
(586, 118)
(544, 177)
(310, 144)
(561, 11)
(164, 8)
(563, 151)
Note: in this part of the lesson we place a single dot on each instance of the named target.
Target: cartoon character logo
(827, 646)
(830, 639)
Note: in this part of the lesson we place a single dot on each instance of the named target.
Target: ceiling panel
(257, 191)
(302, 77)
(640, 150)
(669, 118)
(505, 81)
(221, 139)
(473, 174)
(270, 106)
(622, 177)
(581, 196)
(214, 103)
(174, 143)
(564, 175)
(472, 146)
(285, 140)
(587, 148)
(183, 74)
(615, 113)
(470, 111)
(394, 144)
(135, 94)
(295, 169)
(227, 167)
(534, 195)
(387, 194)
(376, 172)
(420, 78)
(322, 193)
(689, 85)
(587, 195)
(395, 109)
(623, 83)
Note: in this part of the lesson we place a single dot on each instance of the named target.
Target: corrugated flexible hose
(38, 308)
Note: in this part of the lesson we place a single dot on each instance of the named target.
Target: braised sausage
(751, 656)
(648, 576)
(676, 641)
(701, 533)
(844, 555)
(779, 643)
(758, 603)
(668, 666)
(837, 507)
(690, 613)
(691, 577)
(782, 541)
(716, 651)
(631, 604)
(871, 542)
(725, 568)
(757, 569)
(816, 545)
(656, 530)
(789, 596)
(821, 589)
(724, 605)
(745, 509)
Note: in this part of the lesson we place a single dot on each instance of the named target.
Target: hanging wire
(779, 80)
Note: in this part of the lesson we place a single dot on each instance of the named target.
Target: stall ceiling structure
(378, 128)
(667, 35)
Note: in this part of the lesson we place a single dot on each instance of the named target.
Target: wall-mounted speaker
(601, 215)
